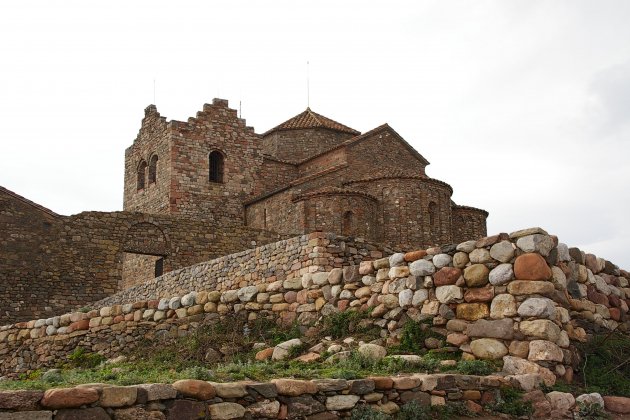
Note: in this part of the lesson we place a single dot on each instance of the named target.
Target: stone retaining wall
(278, 399)
(286, 260)
(523, 298)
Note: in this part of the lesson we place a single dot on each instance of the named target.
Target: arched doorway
(145, 254)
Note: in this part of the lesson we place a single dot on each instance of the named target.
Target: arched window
(216, 166)
(347, 224)
(153, 169)
(142, 171)
(433, 214)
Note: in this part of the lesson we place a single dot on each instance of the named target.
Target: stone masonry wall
(286, 260)
(277, 399)
(412, 210)
(153, 140)
(297, 145)
(216, 128)
(51, 264)
(523, 298)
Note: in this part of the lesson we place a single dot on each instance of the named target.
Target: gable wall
(52, 265)
(297, 145)
(215, 128)
(153, 139)
(275, 175)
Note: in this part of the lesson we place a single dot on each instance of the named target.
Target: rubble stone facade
(309, 173)
(211, 186)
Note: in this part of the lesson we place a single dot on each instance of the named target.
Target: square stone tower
(203, 168)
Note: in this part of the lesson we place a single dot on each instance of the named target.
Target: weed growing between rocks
(606, 364)
(413, 411)
(342, 324)
(509, 401)
(225, 350)
(476, 367)
(414, 334)
(586, 411)
(81, 358)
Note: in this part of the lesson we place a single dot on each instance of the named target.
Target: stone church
(308, 173)
(208, 187)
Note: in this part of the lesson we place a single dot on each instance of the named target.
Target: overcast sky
(522, 106)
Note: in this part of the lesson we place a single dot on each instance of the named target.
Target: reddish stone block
(414, 255)
(446, 276)
(531, 267)
(479, 294)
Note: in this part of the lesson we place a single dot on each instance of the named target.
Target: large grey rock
(561, 402)
(397, 259)
(542, 350)
(246, 294)
(540, 328)
(525, 232)
(542, 244)
(502, 251)
(563, 252)
(175, 302)
(488, 348)
(501, 274)
(517, 366)
(502, 306)
(372, 352)
(589, 399)
(538, 307)
(405, 298)
(189, 299)
(422, 268)
(559, 278)
(226, 411)
(467, 246)
(341, 402)
(501, 328)
(446, 294)
(282, 350)
(264, 409)
(442, 260)
(419, 297)
(480, 256)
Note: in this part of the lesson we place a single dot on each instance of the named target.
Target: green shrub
(413, 335)
(341, 324)
(475, 367)
(414, 411)
(81, 358)
(510, 402)
(590, 411)
(197, 372)
(365, 412)
(606, 364)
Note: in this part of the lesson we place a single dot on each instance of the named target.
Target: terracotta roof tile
(310, 119)
(331, 191)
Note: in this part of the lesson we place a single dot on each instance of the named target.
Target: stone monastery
(211, 186)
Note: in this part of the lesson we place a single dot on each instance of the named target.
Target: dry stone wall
(524, 298)
(277, 399)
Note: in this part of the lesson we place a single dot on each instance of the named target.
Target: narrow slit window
(153, 169)
(347, 224)
(159, 267)
(432, 214)
(216, 166)
(142, 171)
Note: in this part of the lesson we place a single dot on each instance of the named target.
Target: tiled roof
(331, 191)
(310, 119)
(396, 174)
